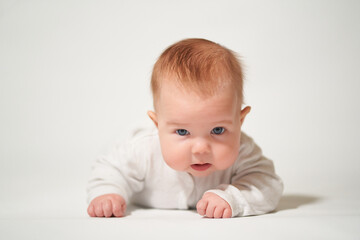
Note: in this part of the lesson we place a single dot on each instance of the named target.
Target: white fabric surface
(299, 216)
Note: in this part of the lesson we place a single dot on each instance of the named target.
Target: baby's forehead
(173, 101)
(203, 90)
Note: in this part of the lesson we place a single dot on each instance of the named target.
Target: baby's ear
(153, 117)
(243, 113)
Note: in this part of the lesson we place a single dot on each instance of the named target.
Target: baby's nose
(201, 146)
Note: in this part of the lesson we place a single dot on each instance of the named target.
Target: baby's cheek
(226, 156)
(175, 156)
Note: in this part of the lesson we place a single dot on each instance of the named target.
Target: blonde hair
(198, 65)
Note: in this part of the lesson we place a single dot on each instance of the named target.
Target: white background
(74, 79)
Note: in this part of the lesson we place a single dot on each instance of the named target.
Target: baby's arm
(255, 188)
(115, 177)
(108, 205)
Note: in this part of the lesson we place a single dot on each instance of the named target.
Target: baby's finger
(98, 210)
(210, 210)
(227, 213)
(107, 208)
(218, 212)
(201, 207)
(91, 211)
(118, 209)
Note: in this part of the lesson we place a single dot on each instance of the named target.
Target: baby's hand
(213, 206)
(108, 205)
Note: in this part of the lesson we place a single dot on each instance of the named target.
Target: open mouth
(200, 167)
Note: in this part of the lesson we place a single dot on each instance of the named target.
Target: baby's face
(198, 135)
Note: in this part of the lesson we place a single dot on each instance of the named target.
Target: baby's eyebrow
(224, 122)
(185, 124)
(176, 123)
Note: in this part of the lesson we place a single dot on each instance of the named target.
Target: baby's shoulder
(246, 141)
(141, 134)
(143, 137)
(140, 144)
(248, 147)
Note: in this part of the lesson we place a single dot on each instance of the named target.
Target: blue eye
(218, 130)
(182, 132)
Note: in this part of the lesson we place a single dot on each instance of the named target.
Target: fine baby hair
(198, 65)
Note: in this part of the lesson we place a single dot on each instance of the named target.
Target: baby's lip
(201, 167)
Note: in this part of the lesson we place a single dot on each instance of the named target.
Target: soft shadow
(294, 201)
(287, 202)
(131, 208)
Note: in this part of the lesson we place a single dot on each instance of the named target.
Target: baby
(197, 156)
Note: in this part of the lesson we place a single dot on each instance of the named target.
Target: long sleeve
(255, 188)
(119, 172)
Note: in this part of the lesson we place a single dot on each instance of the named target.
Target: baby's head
(197, 91)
